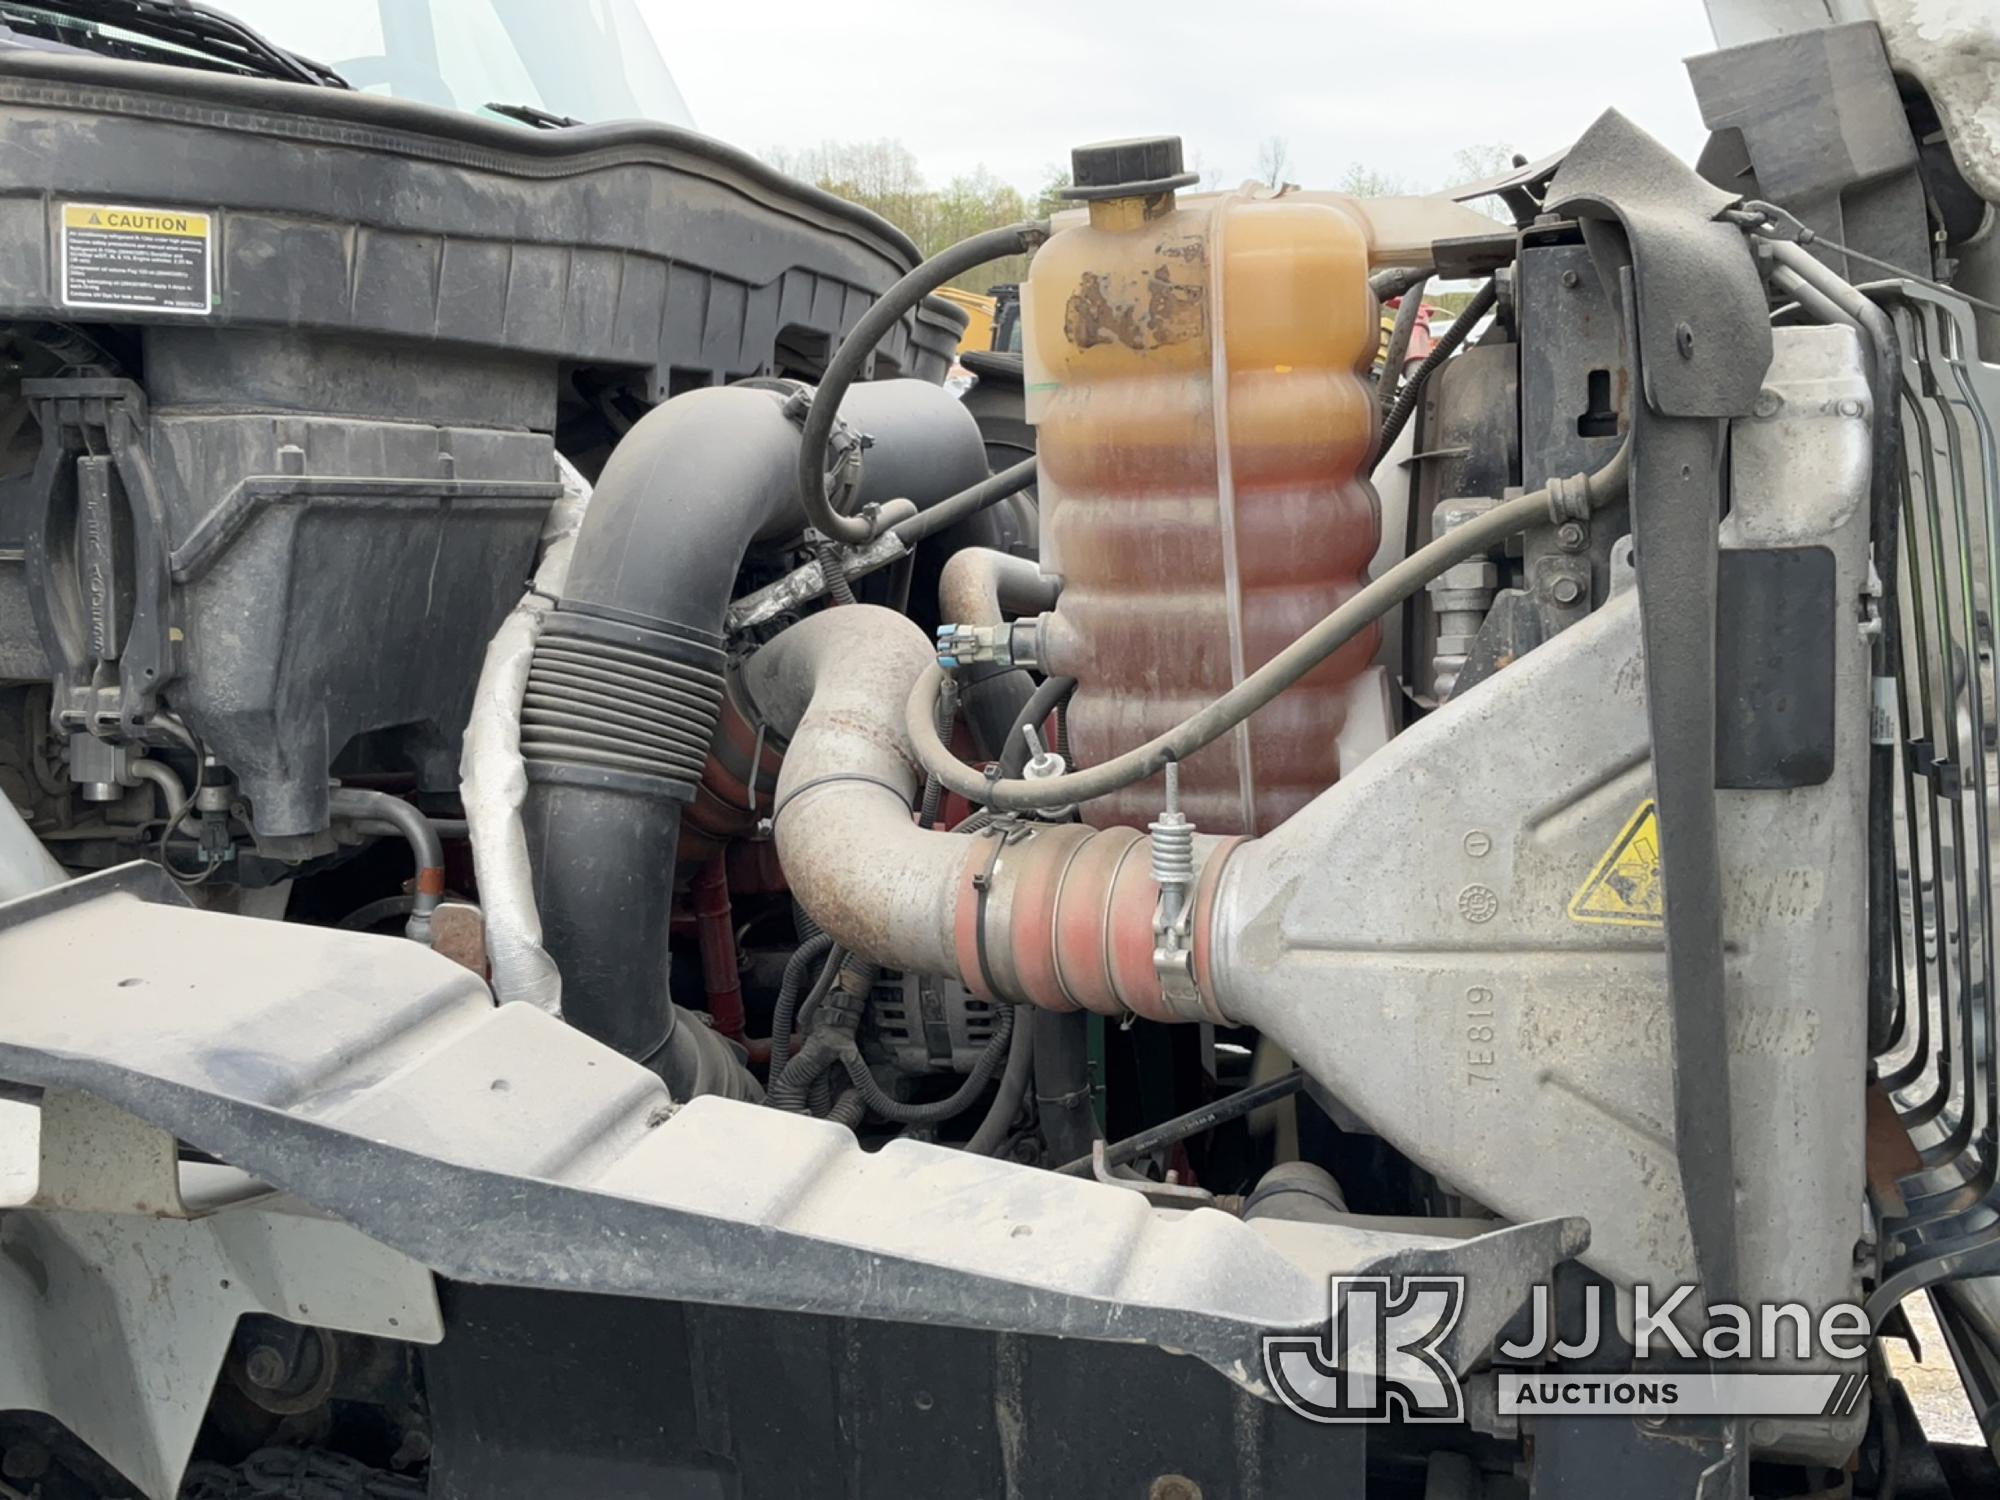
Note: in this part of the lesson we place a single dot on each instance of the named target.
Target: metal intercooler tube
(982, 586)
(626, 681)
(856, 862)
(1055, 914)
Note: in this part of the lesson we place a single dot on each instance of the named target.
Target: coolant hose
(1206, 725)
(625, 685)
(979, 586)
(846, 365)
(356, 805)
(1062, 1082)
(1051, 695)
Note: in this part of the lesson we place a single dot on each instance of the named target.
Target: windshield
(585, 59)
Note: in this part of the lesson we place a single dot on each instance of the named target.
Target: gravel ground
(1933, 1383)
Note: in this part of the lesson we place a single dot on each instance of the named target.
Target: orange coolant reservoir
(1205, 427)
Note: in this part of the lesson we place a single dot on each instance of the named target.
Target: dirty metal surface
(1704, 335)
(376, 1082)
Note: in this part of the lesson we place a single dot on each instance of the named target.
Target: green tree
(1369, 182)
(883, 175)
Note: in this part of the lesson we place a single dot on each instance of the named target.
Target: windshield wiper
(528, 114)
(191, 34)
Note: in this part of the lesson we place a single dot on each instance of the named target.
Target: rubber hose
(939, 1110)
(992, 1132)
(845, 366)
(626, 683)
(1062, 1082)
(1407, 313)
(1210, 723)
(1393, 281)
(1446, 346)
(948, 512)
(1044, 701)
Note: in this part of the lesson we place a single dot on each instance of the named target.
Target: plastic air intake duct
(626, 681)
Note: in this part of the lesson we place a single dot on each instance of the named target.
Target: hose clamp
(1173, 959)
(1003, 831)
(805, 786)
(1569, 498)
(1173, 914)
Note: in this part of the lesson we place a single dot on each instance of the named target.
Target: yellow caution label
(1624, 889)
(131, 258)
(115, 220)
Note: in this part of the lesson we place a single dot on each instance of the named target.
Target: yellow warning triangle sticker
(1624, 889)
(94, 221)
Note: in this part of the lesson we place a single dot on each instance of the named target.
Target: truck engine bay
(603, 891)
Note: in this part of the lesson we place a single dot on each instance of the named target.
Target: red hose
(715, 931)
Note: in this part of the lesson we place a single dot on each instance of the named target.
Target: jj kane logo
(1381, 1357)
(1378, 1359)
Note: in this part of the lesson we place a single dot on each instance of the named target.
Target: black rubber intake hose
(625, 685)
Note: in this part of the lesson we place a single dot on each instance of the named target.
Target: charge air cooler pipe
(626, 681)
(1055, 914)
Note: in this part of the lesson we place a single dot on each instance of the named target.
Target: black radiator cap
(1139, 167)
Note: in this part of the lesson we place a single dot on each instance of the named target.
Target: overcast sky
(1011, 86)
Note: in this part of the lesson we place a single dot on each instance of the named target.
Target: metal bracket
(100, 524)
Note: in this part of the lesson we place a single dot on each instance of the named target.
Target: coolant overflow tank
(1198, 378)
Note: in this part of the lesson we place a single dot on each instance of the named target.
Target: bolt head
(1768, 403)
(1570, 536)
(1567, 591)
(264, 1367)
